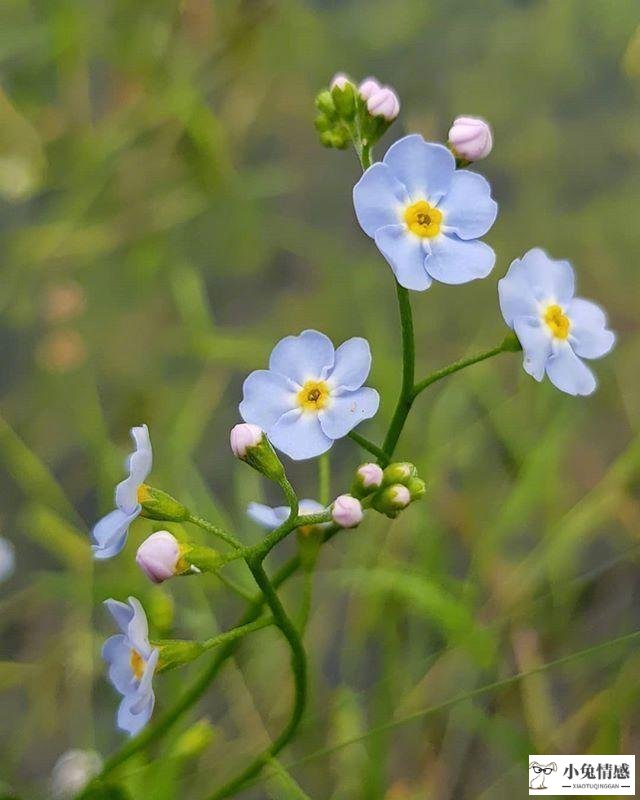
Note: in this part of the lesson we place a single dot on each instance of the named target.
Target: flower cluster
(427, 216)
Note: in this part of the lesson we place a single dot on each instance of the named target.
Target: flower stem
(203, 523)
(406, 398)
(369, 446)
(504, 347)
(237, 633)
(324, 479)
(299, 667)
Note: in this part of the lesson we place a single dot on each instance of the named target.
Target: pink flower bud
(346, 511)
(399, 496)
(384, 103)
(370, 475)
(158, 556)
(243, 436)
(471, 138)
(340, 80)
(368, 87)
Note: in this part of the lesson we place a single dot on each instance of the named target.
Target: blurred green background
(166, 215)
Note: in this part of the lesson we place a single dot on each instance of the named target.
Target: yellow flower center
(557, 321)
(422, 219)
(137, 664)
(313, 396)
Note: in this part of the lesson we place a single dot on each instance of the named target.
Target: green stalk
(209, 527)
(299, 667)
(406, 398)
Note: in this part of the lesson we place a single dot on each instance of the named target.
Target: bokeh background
(166, 215)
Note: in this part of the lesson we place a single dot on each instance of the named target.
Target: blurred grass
(166, 215)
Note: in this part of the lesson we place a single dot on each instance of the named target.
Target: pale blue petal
(7, 559)
(405, 253)
(568, 373)
(308, 506)
(588, 334)
(139, 464)
(455, 261)
(121, 613)
(536, 345)
(267, 517)
(347, 410)
(352, 364)
(299, 435)
(116, 652)
(132, 722)
(138, 629)
(425, 169)
(549, 280)
(378, 199)
(300, 358)
(145, 687)
(109, 534)
(266, 397)
(515, 295)
(468, 208)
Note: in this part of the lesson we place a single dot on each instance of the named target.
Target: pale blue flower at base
(556, 329)
(109, 534)
(132, 662)
(411, 171)
(7, 559)
(312, 394)
(271, 518)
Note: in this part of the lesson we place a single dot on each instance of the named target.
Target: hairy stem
(203, 523)
(369, 446)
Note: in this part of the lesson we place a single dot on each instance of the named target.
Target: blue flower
(271, 518)
(425, 216)
(110, 533)
(132, 662)
(556, 329)
(311, 394)
(7, 559)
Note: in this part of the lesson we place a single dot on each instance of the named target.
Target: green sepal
(511, 343)
(398, 472)
(159, 505)
(204, 559)
(263, 458)
(345, 101)
(176, 652)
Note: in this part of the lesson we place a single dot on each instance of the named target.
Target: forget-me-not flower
(132, 662)
(425, 216)
(7, 559)
(311, 394)
(110, 533)
(556, 329)
(271, 518)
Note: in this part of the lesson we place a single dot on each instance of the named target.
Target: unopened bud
(344, 98)
(346, 511)
(367, 480)
(194, 740)
(392, 500)
(368, 87)
(399, 472)
(384, 103)
(249, 443)
(159, 557)
(417, 488)
(72, 772)
(470, 138)
(340, 80)
(157, 504)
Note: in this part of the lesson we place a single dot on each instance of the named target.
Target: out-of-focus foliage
(166, 215)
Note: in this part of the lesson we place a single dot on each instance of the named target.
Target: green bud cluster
(393, 489)
(344, 118)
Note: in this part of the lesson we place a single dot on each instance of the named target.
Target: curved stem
(503, 347)
(406, 397)
(203, 523)
(299, 667)
(324, 479)
(369, 446)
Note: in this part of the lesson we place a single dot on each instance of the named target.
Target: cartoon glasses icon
(546, 770)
